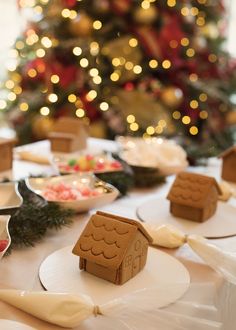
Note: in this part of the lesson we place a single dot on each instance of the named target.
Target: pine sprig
(30, 222)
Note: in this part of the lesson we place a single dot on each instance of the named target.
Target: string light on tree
(3, 104)
(203, 114)
(24, 106)
(55, 79)
(194, 104)
(84, 62)
(203, 97)
(91, 95)
(153, 64)
(97, 25)
(72, 98)
(80, 113)
(171, 3)
(11, 96)
(176, 115)
(193, 130)
(40, 52)
(130, 119)
(46, 42)
(134, 127)
(97, 80)
(133, 42)
(150, 130)
(104, 106)
(52, 97)
(77, 51)
(166, 64)
(186, 120)
(44, 111)
(159, 129)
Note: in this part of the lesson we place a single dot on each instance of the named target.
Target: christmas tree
(141, 67)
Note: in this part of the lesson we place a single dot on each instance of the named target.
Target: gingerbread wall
(186, 212)
(211, 204)
(135, 258)
(6, 157)
(229, 167)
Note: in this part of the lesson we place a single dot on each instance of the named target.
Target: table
(20, 269)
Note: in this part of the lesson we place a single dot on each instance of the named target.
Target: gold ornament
(145, 16)
(172, 96)
(102, 6)
(97, 129)
(136, 102)
(210, 31)
(41, 126)
(81, 26)
(54, 9)
(127, 57)
(231, 118)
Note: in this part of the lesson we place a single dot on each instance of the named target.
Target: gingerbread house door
(136, 265)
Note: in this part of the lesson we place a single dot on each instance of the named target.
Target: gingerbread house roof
(68, 125)
(4, 141)
(228, 152)
(106, 238)
(191, 189)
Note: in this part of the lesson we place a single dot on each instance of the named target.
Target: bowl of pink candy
(100, 163)
(5, 239)
(80, 192)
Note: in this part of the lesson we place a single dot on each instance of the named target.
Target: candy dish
(80, 192)
(10, 198)
(99, 163)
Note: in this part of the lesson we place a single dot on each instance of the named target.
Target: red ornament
(69, 74)
(3, 244)
(38, 65)
(129, 86)
(121, 7)
(69, 3)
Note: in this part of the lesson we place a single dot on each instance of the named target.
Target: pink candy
(65, 192)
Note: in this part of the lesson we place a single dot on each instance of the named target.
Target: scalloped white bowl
(4, 232)
(38, 185)
(10, 198)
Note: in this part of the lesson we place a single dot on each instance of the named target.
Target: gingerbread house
(194, 196)
(68, 135)
(6, 153)
(112, 247)
(228, 171)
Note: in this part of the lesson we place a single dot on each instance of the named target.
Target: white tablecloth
(20, 269)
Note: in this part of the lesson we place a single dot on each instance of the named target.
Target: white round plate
(13, 325)
(60, 272)
(222, 224)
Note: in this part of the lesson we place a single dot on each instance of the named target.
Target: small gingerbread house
(228, 172)
(193, 196)
(6, 153)
(68, 135)
(112, 247)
